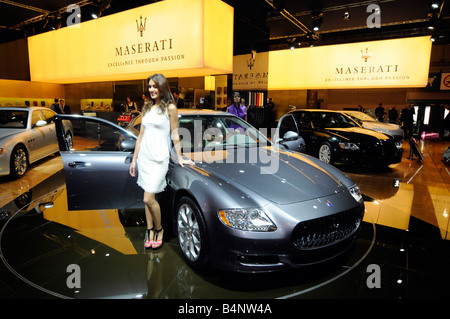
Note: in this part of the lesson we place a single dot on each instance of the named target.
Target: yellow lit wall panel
(376, 64)
(175, 37)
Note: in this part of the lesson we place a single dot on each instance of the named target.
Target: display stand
(414, 150)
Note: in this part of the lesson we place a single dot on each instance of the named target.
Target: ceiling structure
(261, 25)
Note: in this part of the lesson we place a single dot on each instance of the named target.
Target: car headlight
(349, 146)
(250, 219)
(356, 193)
(399, 145)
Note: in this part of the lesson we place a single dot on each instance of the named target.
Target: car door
(288, 133)
(303, 120)
(96, 167)
(40, 137)
(51, 145)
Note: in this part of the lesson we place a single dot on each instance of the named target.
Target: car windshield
(13, 119)
(332, 120)
(362, 116)
(206, 132)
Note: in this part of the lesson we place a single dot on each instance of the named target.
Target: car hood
(285, 178)
(392, 129)
(358, 132)
(6, 132)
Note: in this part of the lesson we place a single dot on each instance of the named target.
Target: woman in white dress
(151, 155)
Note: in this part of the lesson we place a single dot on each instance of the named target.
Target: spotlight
(316, 20)
(96, 12)
(435, 5)
(434, 37)
(346, 15)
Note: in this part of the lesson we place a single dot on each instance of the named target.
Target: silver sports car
(27, 134)
(247, 205)
(371, 123)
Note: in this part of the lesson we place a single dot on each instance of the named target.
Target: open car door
(96, 163)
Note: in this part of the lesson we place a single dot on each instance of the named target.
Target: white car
(27, 134)
(371, 123)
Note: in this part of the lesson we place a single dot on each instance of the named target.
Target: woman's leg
(153, 215)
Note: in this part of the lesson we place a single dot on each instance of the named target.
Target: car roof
(23, 107)
(199, 112)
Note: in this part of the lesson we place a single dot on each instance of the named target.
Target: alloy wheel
(189, 235)
(325, 153)
(20, 162)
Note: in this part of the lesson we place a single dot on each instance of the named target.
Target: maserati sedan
(247, 205)
(367, 121)
(335, 138)
(27, 134)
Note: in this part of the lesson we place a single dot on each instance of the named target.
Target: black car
(336, 138)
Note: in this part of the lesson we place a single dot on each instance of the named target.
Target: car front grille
(328, 230)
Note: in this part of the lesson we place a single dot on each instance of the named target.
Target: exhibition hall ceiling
(261, 25)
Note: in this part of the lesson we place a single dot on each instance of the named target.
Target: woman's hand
(182, 161)
(133, 169)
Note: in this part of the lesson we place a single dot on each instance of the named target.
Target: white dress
(153, 157)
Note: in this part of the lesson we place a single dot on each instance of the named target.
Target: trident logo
(365, 55)
(140, 26)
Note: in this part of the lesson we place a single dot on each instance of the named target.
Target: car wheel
(192, 237)
(326, 153)
(19, 162)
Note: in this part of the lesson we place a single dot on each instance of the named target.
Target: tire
(19, 162)
(192, 233)
(326, 153)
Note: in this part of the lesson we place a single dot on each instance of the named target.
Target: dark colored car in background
(245, 206)
(336, 138)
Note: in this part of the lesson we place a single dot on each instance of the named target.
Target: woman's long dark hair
(166, 96)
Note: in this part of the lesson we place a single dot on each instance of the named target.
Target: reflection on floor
(405, 234)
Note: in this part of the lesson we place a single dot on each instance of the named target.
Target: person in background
(65, 108)
(407, 119)
(393, 115)
(131, 106)
(151, 156)
(236, 108)
(144, 98)
(379, 112)
(56, 107)
(269, 116)
(179, 102)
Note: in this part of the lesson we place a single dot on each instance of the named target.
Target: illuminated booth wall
(175, 37)
(393, 63)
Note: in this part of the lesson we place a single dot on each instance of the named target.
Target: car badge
(329, 203)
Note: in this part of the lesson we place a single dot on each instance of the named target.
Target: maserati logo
(141, 26)
(365, 55)
(251, 61)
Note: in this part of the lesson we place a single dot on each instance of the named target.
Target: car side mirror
(290, 136)
(40, 123)
(128, 145)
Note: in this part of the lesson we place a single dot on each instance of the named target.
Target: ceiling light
(346, 15)
(316, 20)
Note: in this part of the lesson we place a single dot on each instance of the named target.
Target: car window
(287, 124)
(89, 135)
(332, 120)
(303, 120)
(13, 119)
(199, 133)
(36, 116)
(49, 116)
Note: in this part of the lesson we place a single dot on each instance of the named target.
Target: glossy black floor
(46, 252)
